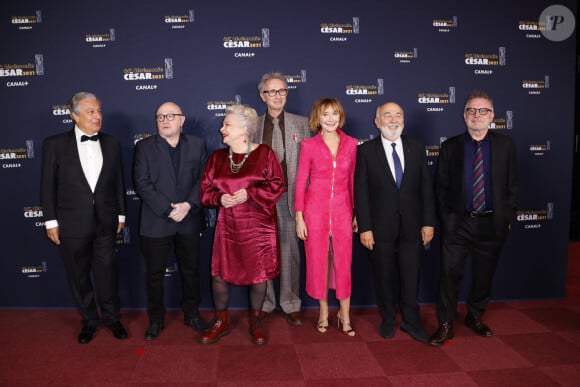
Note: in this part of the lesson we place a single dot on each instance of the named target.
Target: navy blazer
(65, 192)
(157, 186)
(380, 206)
(450, 181)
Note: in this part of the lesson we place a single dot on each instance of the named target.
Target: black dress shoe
(416, 333)
(118, 330)
(478, 327)
(196, 323)
(87, 334)
(443, 333)
(387, 331)
(153, 330)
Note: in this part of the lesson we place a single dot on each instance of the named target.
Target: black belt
(481, 214)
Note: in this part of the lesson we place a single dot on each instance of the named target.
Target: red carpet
(536, 343)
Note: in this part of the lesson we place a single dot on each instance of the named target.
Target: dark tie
(398, 166)
(277, 141)
(91, 138)
(478, 180)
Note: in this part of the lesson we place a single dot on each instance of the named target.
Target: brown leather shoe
(295, 318)
(256, 329)
(443, 333)
(217, 330)
(478, 326)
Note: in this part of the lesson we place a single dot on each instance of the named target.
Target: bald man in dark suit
(395, 211)
(167, 170)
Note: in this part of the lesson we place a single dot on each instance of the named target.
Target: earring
(244, 138)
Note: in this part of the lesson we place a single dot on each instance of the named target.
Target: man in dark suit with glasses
(476, 188)
(167, 170)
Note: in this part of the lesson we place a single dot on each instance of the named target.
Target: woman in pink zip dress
(324, 204)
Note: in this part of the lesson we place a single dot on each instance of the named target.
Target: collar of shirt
(79, 133)
(269, 118)
(389, 152)
(474, 142)
(387, 143)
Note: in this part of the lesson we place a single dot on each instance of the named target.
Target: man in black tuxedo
(83, 200)
(395, 211)
(167, 170)
(476, 189)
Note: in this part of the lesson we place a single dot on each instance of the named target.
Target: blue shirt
(470, 149)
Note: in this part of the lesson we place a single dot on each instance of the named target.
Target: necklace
(235, 167)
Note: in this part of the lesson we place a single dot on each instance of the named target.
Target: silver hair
(383, 104)
(273, 75)
(74, 104)
(249, 117)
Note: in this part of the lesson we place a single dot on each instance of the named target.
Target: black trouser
(392, 263)
(81, 256)
(475, 236)
(156, 251)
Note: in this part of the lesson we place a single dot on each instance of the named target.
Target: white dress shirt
(91, 158)
(389, 153)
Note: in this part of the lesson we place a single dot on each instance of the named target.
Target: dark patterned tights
(221, 293)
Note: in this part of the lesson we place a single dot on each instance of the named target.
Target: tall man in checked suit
(167, 169)
(476, 189)
(283, 132)
(395, 211)
(83, 200)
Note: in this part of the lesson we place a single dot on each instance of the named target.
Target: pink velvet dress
(245, 247)
(324, 194)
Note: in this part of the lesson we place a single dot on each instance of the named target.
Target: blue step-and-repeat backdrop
(206, 55)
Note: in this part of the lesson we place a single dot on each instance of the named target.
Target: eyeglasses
(482, 111)
(272, 92)
(169, 117)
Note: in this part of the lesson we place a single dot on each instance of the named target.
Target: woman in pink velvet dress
(244, 181)
(324, 209)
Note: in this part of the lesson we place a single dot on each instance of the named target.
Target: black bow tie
(87, 138)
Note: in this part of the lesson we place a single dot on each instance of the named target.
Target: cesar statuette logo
(292, 80)
(150, 75)
(339, 32)
(436, 101)
(100, 40)
(22, 73)
(27, 22)
(247, 46)
(364, 93)
(179, 21)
